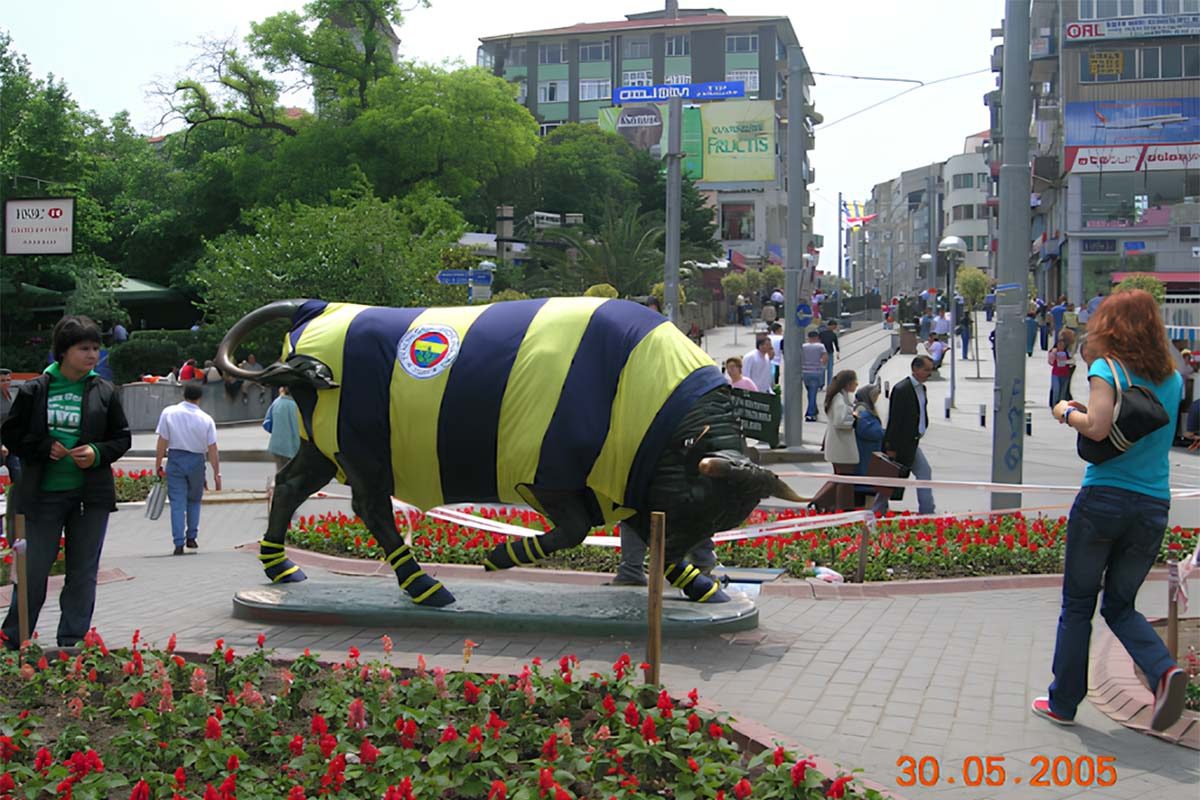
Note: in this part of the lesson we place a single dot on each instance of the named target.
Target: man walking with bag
(185, 436)
(908, 419)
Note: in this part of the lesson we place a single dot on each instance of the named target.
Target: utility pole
(797, 287)
(837, 312)
(674, 196)
(1008, 444)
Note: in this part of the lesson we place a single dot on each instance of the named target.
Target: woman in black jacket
(68, 427)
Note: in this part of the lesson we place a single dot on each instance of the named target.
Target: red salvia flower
(358, 715)
(328, 743)
(470, 692)
(665, 704)
(43, 760)
(799, 769)
(212, 728)
(141, 791)
(694, 697)
(262, 640)
(232, 764)
(632, 717)
(450, 734)
(229, 656)
(138, 700)
(318, 725)
(838, 787)
(180, 777)
(779, 755)
(495, 724)
(693, 765)
(610, 705)
(550, 748)
(296, 745)
(694, 723)
(296, 793)
(716, 731)
(368, 753)
(742, 789)
(649, 732)
(499, 791)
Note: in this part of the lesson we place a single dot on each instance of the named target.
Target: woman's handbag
(1137, 413)
(156, 500)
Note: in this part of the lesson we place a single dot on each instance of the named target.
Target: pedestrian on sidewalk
(841, 448)
(734, 376)
(829, 338)
(868, 435)
(813, 357)
(1031, 332)
(1060, 369)
(941, 326)
(964, 332)
(1117, 522)
(925, 325)
(776, 337)
(908, 419)
(757, 364)
(186, 434)
(283, 423)
(989, 304)
(68, 427)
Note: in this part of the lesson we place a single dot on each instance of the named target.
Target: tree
(624, 252)
(698, 220)
(362, 249)
(973, 283)
(582, 169)
(734, 284)
(601, 290)
(1145, 282)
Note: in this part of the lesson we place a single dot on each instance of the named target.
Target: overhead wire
(827, 125)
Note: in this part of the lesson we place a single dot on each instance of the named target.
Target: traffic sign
(454, 277)
(804, 315)
(481, 277)
(687, 91)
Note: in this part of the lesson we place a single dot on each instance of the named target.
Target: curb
(111, 575)
(226, 455)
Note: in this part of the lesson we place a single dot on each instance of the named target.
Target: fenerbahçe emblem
(428, 351)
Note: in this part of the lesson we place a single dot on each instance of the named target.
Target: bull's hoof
(703, 589)
(438, 599)
(522, 553)
(290, 577)
(718, 596)
(277, 566)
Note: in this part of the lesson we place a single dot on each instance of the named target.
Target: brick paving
(860, 681)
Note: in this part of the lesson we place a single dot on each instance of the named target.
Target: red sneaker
(1169, 699)
(1041, 707)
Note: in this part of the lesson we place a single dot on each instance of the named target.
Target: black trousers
(53, 516)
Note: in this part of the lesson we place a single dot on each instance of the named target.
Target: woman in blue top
(1119, 517)
(868, 431)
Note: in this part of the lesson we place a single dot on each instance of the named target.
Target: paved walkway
(862, 682)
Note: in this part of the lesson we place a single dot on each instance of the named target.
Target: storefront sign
(1099, 245)
(1107, 62)
(1108, 123)
(1134, 158)
(42, 226)
(1132, 246)
(759, 413)
(739, 141)
(1133, 28)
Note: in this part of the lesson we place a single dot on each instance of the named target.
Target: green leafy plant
(1145, 282)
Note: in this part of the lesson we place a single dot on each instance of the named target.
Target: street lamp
(930, 278)
(955, 250)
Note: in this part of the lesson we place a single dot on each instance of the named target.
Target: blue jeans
(812, 384)
(1058, 389)
(1113, 537)
(923, 472)
(185, 487)
(829, 371)
(57, 515)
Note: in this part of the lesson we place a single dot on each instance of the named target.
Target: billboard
(1132, 28)
(39, 226)
(727, 142)
(1133, 135)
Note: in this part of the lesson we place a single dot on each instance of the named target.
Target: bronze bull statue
(590, 410)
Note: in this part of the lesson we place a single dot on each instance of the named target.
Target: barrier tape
(906, 483)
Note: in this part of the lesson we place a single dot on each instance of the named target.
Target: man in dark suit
(908, 419)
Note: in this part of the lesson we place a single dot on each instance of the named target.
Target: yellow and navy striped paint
(489, 400)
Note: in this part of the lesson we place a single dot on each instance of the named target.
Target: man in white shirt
(936, 348)
(185, 436)
(941, 325)
(756, 365)
(776, 337)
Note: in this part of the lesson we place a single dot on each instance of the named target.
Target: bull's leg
(303, 475)
(372, 502)
(685, 576)
(569, 513)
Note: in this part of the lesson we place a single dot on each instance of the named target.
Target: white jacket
(840, 445)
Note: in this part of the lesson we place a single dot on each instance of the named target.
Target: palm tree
(625, 251)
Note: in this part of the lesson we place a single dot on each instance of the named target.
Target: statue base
(494, 606)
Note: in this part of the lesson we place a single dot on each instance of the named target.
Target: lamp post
(956, 250)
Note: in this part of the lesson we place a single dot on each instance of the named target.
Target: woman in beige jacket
(841, 448)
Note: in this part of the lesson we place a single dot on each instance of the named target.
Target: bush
(138, 357)
(658, 290)
(773, 277)
(601, 290)
(509, 294)
(1147, 283)
(733, 284)
(21, 355)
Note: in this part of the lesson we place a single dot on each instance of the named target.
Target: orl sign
(1133, 28)
(42, 226)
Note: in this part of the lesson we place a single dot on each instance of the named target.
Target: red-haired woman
(1119, 517)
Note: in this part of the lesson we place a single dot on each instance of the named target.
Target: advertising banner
(739, 141)
(1133, 135)
(41, 226)
(1132, 28)
(647, 126)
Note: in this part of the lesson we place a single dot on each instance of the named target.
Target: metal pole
(931, 205)
(796, 286)
(953, 268)
(1008, 444)
(674, 192)
(837, 306)
(654, 601)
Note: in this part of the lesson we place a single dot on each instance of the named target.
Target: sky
(111, 53)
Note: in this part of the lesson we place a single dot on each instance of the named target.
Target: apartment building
(569, 74)
(966, 182)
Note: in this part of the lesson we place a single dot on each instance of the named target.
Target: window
(522, 91)
(637, 48)
(780, 49)
(747, 76)
(780, 85)
(552, 54)
(1190, 7)
(681, 78)
(959, 213)
(1150, 62)
(637, 77)
(679, 45)
(981, 244)
(1106, 9)
(965, 180)
(1087, 9)
(1191, 60)
(1126, 8)
(516, 57)
(737, 221)
(1172, 61)
(1171, 7)
(595, 89)
(981, 180)
(545, 128)
(595, 51)
(484, 58)
(741, 43)
(981, 211)
(969, 241)
(553, 92)
(1151, 8)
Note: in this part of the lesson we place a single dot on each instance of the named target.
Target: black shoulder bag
(1137, 413)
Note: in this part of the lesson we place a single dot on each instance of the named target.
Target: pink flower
(387, 644)
(199, 682)
(138, 700)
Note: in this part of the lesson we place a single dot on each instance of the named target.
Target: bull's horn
(280, 309)
(783, 491)
(715, 467)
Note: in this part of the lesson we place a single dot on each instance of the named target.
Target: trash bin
(908, 340)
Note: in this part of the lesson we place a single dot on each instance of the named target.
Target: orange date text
(995, 771)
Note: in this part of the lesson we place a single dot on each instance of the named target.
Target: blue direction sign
(481, 277)
(804, 315)
(454, 277)
(686, 91)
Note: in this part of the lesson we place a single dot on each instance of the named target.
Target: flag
(856, 216)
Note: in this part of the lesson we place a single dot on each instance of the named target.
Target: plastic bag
(156, 500)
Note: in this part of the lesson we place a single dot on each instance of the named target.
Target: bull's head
(296, 371)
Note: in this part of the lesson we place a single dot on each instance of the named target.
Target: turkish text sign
(39, 226)
(684, 91)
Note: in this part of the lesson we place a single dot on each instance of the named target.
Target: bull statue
(590, 410)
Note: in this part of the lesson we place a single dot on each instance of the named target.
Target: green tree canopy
(972, 283)
(1147, 283)
(624, 253)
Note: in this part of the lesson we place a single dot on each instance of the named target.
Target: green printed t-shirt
(64, 411)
